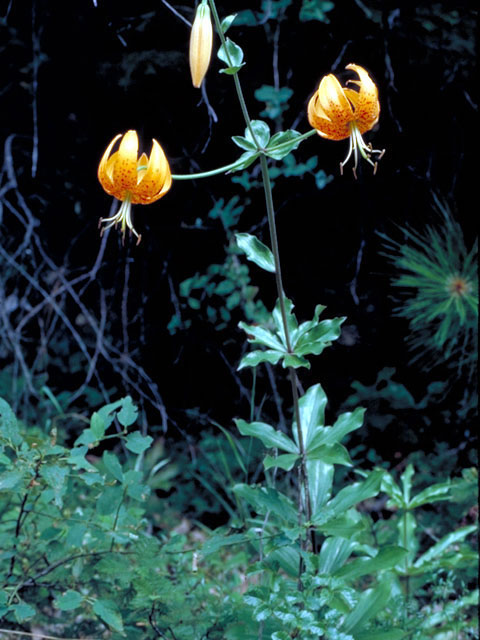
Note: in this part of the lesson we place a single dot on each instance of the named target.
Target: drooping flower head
(201, 38)
(131, 179)
(338, 112)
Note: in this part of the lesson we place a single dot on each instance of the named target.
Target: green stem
(236, 79)
(207, 174)
(276, 255)
(281, 297)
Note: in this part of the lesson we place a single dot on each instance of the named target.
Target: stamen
(357, 144)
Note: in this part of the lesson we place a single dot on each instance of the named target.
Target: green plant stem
(236, 79)
(206, 174)
(276, 255)
(281, 296)
(407, 565)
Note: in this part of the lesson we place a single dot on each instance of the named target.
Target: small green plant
(439, 292)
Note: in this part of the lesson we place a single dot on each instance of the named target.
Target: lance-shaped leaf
(334, 553)
(435, 552)
(431, 494)
(355, 493)
(292, 323)
(267, 434)
(331, 453)
(321, 336)
(284, 461)
(320, 481)
(254, 358)
(387, 558)
(345, 423)
(264, 499)
(312, 414)
(370, 603)
(256, 251)
(262, 336)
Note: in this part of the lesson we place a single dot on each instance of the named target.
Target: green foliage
(438, 277)
(305, 339)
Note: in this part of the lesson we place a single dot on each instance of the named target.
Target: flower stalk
(278, 273)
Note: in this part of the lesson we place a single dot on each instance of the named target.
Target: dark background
(75, 75)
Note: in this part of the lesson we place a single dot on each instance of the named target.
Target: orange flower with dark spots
(338, 112)
(131, 179)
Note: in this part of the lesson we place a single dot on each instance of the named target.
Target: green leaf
(391, 488)
(345, 423)
(406, 479)
(292, 323)
(267, 434)
(8, 424)
(254, 358)
(55, 477)
(355, 493)
(334, 553)
(23, 611)
(312, 414)
(315, 10)
(262, 336)
(370, 603)
(232, 55)
(331, 453)
(227, 22)
(383, 634)
(217, 541)
(97, 427)
(264, 499)
(69, 600)
(431, 494)
(128, 413)
(256, 251)
(245, 160)
(320, 480)
(261, 131)
(243, 143)
(137, 443)
(435, 552)
(283, 143)
(387, 558)
(109, 613)
(112, 465)
(109, 500)
(10, 479)
(284, 461)
(321, 336)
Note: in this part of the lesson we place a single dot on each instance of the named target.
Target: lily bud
(201, 38)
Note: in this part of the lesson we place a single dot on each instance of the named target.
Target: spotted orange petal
(124, 175)
(327, 128)
(156, 180)
(104, 175)
(365, 101)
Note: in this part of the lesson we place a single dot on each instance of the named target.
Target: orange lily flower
(131, 179)
(338, 112)
(201, 38)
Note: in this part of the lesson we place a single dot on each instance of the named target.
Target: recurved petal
(124, 175)
(367, 106)
(333, 100)
(156, 180)
(105, 176)
(327, 128)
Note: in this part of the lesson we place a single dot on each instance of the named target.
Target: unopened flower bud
(201, 39)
